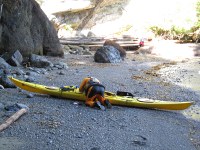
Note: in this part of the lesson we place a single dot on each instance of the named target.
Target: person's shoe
(108, 104)
(98, 105)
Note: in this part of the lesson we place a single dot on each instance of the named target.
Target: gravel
(53, 123)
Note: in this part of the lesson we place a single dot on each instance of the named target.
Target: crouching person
(94, 92)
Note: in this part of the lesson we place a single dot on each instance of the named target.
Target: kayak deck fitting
(72, 92)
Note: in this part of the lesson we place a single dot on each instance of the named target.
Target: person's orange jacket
(83, 84)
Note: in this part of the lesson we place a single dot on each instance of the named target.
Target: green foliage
(179, 33)
(198, 13)
(175, 33)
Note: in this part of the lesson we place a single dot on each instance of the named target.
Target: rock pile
(110, 52)
(28, 70)
(77, 50)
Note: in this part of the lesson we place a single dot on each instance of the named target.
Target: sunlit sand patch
(172, 51)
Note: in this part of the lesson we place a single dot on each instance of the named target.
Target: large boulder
(39, 61)
(107, 54)
(121, 50)
(24, 26)
(4, 80)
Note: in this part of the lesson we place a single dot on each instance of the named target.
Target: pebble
(49, 69)
(30, 95)
(94, 119)
(30, 79)
(6, 71)
(20, 90)
(29, 73)
(1, 106)
(95, 148)
(69, 115)
(1, 86)
(58, 66)
(50, 141)
(75, 103)
(61, 73)
(19, 72)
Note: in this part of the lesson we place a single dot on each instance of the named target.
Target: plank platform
(98, 42)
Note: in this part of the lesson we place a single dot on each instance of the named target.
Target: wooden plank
(89, 42)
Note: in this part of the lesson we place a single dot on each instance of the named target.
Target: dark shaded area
(25, 27)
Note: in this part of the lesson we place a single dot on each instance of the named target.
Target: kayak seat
(62, 88)
(121, 93)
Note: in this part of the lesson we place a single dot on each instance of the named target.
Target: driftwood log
(13, 118)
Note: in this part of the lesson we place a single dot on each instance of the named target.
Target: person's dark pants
(95, 93)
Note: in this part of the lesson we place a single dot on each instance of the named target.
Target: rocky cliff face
(26, 28)
(107, 10)
(99, 12)
(105, 17)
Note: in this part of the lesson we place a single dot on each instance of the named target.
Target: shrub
(178, 33)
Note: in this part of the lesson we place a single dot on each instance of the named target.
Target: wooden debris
(13, 118)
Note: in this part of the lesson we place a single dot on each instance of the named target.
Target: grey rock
(61, 73)
(26, 19)
(75, 50)
(95, 148)
(121, 50)
(61, 65)
(87, 52)
(6, 71)
(65, 47)
(49, 69)
(91, 34)
(19, 72)
(85, 47)
(107, 54)
(58, 66)
(1, 86)
(140, 140)
(1, 106)
(4, 64)
(30, 79)
(30, 95)
(15, 59)
(31, 73)
(37, 70)
(43, 71)
(15, 107)
(5, 82)
(39, 61)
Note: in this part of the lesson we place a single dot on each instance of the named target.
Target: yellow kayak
(72, 92)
